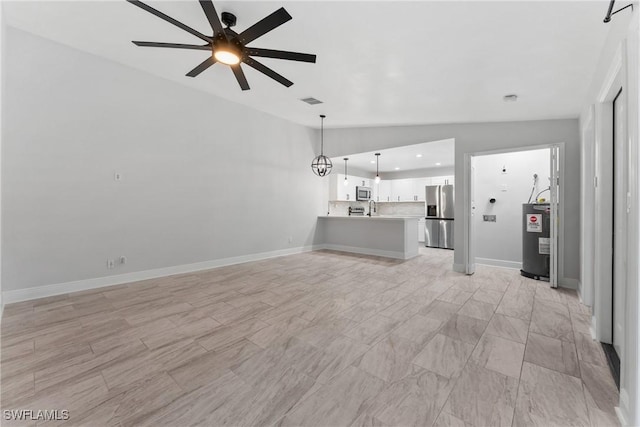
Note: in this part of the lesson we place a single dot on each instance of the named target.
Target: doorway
(508, 188)
(611, 224)
(618, 236)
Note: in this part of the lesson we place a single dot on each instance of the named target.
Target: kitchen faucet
(374, 206)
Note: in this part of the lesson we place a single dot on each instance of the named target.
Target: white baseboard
(579, 291)
(18, 295)
(620, 415)
(369, 251)
(567, 282)
(462, 268)
(499, 263)
(622, 410)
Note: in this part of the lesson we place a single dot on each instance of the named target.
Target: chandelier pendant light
(346, 181)
(377, 168)
(321, 165)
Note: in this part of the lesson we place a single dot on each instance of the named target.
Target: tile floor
(317, 339)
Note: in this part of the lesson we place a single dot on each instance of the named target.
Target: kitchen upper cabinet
(419, 185)
(407, 190)
(383, 191)
(339, 191)
(408, 194)
(441, 180)
(393, 190)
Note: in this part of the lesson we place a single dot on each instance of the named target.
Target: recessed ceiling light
(510, 98)
(418, 155)
(373, 162)
(397, 168)
(438, 164)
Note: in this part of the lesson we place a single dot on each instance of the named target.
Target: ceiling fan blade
(242, 80)
(202, 66)
(170, 20)
(265, 25)
(172, 45)
(281, 54)
(267, 71)
(212, 16)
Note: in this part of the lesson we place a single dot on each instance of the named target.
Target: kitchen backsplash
(401, 208)
(341, 208)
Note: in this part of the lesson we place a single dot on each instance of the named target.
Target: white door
(619, 278)
(554, 204)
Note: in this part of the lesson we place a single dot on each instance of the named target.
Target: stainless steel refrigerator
(438, 228)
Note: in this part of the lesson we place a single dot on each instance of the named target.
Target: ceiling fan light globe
(226, 57)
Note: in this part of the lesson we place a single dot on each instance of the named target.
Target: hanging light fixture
(377, 168)
(321, 165)
(346, 181)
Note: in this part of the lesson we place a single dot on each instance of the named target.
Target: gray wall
(203, 178)
(479, 137)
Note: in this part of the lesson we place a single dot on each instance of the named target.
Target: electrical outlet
(122, 260)
(117, 176)
(111, 264)
(489, 218)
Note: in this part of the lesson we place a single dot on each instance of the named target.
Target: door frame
(604, 199)
(469, 228)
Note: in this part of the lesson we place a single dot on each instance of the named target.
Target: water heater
(536, 244)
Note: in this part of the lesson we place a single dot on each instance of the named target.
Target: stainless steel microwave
(363, 193)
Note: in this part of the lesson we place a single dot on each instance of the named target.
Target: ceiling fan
(227, 46)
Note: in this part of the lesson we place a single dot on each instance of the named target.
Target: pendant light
(321, 165)
(346, 181)
(377, 168)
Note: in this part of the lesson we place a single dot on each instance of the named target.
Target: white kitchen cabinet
(421, 223)
(394, 190)
(419, 185)
(339, 191)
(384, 191)
(402, 190)
(441, 180)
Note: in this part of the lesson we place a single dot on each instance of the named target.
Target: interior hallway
(320, 338)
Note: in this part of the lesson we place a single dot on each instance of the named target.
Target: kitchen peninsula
(392, 237)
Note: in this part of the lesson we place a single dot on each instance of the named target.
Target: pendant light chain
(322, 116)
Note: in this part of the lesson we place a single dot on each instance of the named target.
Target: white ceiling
(378, 63)
(402, 158)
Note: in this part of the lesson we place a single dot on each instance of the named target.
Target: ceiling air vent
(311, 101)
